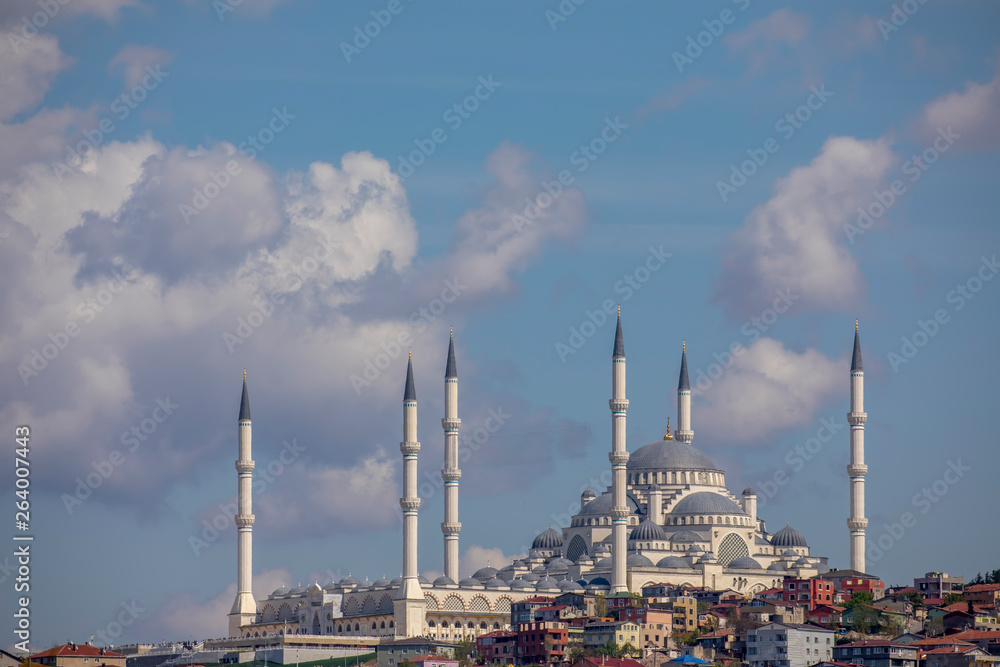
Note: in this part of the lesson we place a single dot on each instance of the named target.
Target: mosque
(667, 518)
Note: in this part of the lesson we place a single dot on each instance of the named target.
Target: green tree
(934, 628)
(860, 598)
(952, 598)
(600, 605)
(575, 655)
(864, 618)
(915, 599)
(628, 650)
(893, 626)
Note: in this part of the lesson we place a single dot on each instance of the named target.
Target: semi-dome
(669, 455)
(638, 560)
(485, 573)
(672, 561)
(444, 580)
(648, 530)
(547, 539)
(599, 581)
(603, 503)
(744, 563)
(788, 537)
(706, 502)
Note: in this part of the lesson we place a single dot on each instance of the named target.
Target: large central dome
(669, 455)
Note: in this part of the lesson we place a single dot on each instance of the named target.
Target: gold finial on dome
(451, 332)
(684, 346)
(411, 353)
(244, 375)
(619, 310)
(855, 325)
(668, 436)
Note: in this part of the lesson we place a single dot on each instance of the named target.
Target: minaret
(684, 433)
(244, 609)
(618, 458)
(409, 606)
(857, 469)
(451, 474)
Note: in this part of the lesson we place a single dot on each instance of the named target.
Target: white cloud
(796, 239)
(972, 113)
(26, 72)
(767, 390)
(476, 557)
(133, 60)
(759, 42)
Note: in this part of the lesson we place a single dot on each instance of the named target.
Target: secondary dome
(485, 573)
(603, 503)
(672, 561)
(744, 563)
(647, 530)
(638, 560)
(706, 502)
(788, 537)
(547, 539)
(669, 455)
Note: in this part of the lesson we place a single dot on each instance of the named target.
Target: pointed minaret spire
(409, 606)
(856, 471)
(451, 527)
(618, 458)
(244, 611)
(410, 394)
(684, 433)
(619, 341)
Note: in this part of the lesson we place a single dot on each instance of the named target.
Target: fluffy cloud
(972, 113)
(796, 239)
(768, 38)
(767, 390)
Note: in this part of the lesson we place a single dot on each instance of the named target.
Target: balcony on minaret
(857, 470)
(857, 418)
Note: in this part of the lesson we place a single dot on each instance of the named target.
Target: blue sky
(156, 241)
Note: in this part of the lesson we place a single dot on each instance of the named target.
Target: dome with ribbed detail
(548, 539)
(788, 537)
(648, 530)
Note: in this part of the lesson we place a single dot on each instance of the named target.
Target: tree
(860, 598)
(463, 650)
(628, 650)
(915, 599)
(894, 626)
(600, 605)
(934, 628)
(575, 655)
(864, 618)
(953, 598)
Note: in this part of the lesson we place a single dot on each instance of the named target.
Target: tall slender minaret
(451, 474)
(409, 606)
(857, 468)
(618, 458)
(684, 433)
(244, 609)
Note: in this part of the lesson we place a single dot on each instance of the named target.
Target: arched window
(727, 520)
(444, 624)
(431, 624)
(710, 521)
(383, 626)
(482, 626)
(496, 626)
(357, 627)
(340, 628)
(471, 625)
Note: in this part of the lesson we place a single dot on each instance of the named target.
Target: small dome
(744, 563)
(496, 584)
(803, 561)
(547, 539)
(280, 591)
(424, 581)
(709, 557)
(330, 587)
(584, 559)
(685, 536)
(570, 586)
(674, 561)
(558, 564)
(788, 537)
(776, 566)
(749, 492)
(648, 530)
(586, 496)
(789, 554)
(522, 585)
(298, 590)
(530, 576)
(638, 560)
(382, 583)
(604, 562)
(397, 582)
(470, 582)
(347, 581)
(444, 581)
(695, 549)
(547, 584)
(485, 573)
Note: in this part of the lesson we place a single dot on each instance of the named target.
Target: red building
(811, 592)
(541, 642)
(497, 646)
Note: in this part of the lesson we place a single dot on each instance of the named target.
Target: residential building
(11, 660)
(391, 652)
(524, 611)
(79, 655)
(826, 614)
(431, 660)
(938, 585)
(788, 645)
(685, 613)
(985, 595)
(848, 582)
(623, 600)
(497, 646)
(809, 592)
(877, 653)
(541, 642)
(655, 625)
(963, 656)
(598, 633)
(606, 662)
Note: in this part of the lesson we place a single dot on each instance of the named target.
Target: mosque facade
(668, 518)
